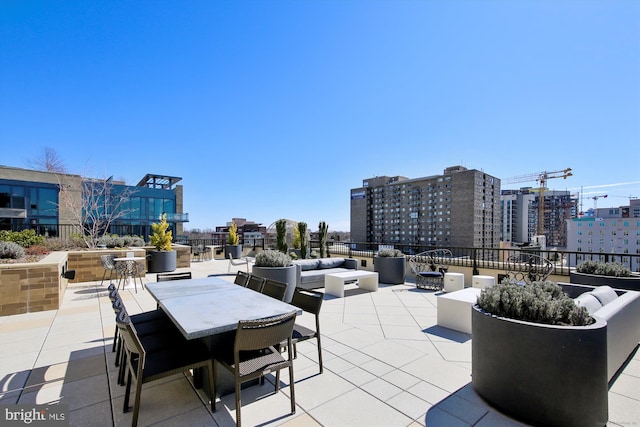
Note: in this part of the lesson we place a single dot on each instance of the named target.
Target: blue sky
(276, 109)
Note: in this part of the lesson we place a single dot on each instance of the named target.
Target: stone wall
(31, 287)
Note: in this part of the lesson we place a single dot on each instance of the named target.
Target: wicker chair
(311, 302)
(130, 269)
(274, 289)
(524, 268)
(171, 354)
(429, 268)
(109, 265)
(256, 352)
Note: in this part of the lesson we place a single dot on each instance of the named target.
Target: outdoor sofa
(310, 272)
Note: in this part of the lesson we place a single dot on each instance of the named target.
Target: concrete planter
(391, 270)
(281, 274)
(629, 283)
(234, 250)
(541, 374)
(162, 261)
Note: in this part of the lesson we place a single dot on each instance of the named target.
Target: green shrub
(390, 253)
(272, 258)
(11, 250)
(603, 268)
(539, 302)
(24, 238)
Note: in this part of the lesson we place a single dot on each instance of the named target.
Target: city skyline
(277, 109)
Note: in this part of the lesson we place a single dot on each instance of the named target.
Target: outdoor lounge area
(386, 363)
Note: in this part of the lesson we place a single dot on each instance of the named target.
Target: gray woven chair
(109, 265)
(157, 356)
(165, 277)
(256, 352)
(274, 289)
(429, 268)
(524, 268)
(130, 269)
(311, 302)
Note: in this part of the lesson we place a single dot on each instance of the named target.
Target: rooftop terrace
(387, 363)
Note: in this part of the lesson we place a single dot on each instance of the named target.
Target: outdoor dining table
(204, 307)
(210, 309)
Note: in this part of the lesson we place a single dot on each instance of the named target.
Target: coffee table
(334, 282)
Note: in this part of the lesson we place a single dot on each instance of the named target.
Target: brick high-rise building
(458, 208)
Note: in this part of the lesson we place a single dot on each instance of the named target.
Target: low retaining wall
(31, 287)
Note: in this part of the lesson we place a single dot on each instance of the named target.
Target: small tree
(323, 229)
(161, 238)
(281, 235)
(295, 242)
(48, 161)
(302, 229)
(232, 237)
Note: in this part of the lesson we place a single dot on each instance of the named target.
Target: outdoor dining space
(386, 361)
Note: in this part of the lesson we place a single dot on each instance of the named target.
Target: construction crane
(595, 200)
(542, 178)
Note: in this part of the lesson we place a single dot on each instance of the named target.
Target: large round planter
(161, 261)
(629, 283)
(541, 374)
(234, 250)
(281, 274)
(390, 269)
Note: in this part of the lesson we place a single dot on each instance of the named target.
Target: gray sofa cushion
(308, 264)
(604, 294)
(589, 302)
(331, 262)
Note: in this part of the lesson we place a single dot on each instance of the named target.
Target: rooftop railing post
(475, 262)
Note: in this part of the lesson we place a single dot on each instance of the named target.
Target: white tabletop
(130, 258)
(204, 307)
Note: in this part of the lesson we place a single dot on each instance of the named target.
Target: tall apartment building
(519, 215)
(610, 231)
(458, 208)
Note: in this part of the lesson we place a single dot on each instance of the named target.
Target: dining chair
(109, 265)
(171, 355)
(130, 270)
(256, 352)
(255, 283)
(242, 278)
(274, 289)
(310, 302)
(165, 277)
(237, 262)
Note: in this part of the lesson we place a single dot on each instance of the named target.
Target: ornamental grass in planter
(275, 265)
(598, 273)
(538, 357)
(391, 266)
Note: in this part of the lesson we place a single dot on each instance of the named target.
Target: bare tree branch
(48, 161)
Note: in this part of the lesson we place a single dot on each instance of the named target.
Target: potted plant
(598, 273)
(281, 235)
(391, 266)
(163, 258)
(233, 246)
(539, 357)
(275, 265)
(302, 231)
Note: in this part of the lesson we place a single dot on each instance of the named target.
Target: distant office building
(249, 232)
(31, 199)
(458, 208)
(519, 215)
(609, 231)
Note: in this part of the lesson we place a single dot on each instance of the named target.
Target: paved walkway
(387, 363)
